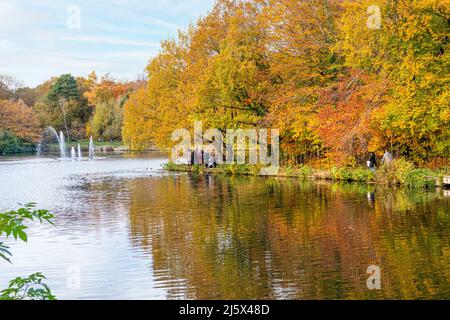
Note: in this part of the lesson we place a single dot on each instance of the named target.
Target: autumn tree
(216, 72)
(18, 125)
(107, 96)
(345, 117)
(139, 121)
(302, 34)
(409, 53)
(233, 89)
(62, 106)
(19, 119)
(9, 85)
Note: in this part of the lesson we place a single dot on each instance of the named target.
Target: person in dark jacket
(192, 158)
(372, 163)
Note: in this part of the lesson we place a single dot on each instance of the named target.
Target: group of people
(209, 160)
(372, 163)
(203, 157)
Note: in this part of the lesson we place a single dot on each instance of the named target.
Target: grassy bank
(400, 173)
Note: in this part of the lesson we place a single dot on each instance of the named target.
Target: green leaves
(4, 252)
(30, 288)
(12, 222)
(22, 235)
(65, 88)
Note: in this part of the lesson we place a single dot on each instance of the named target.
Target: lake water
(125, 229)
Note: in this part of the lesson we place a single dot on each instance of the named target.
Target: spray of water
(91, 148)
(73, 154)
(62, 145)
(59, 138)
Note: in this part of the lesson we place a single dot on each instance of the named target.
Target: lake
(125, 229)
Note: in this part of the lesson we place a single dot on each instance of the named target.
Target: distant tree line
(80, 107)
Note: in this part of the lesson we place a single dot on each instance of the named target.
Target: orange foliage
(18, 118)
(344, 117)
(105, 90)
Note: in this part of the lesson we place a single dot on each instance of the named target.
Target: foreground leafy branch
(31, 288)
(12, 223)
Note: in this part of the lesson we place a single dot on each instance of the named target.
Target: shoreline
(101, 147)
(350, 175)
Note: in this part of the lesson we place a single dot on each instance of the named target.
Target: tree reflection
(252, 238)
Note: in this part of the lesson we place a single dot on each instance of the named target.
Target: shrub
(8, 142)
(197, 168)
(403, 172)
(289, 171)
(362, 175)
(419, 178)
(358, 174)
(402, 168)
(255, 169)
(170, 166)
(342, 174)
(239, 169)
(386, 175)
(305, 171)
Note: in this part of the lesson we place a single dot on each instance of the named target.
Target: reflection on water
(136, 232)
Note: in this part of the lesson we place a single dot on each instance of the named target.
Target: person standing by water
(191, 157)
(372, 163)
(387, 158)
(212, 161)
(206, 157)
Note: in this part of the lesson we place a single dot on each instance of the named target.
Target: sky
(40, 39)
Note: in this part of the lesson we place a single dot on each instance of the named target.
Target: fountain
(91, 148)
(73, 153)
(62, 145)
(59, 138)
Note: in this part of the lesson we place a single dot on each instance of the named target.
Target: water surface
(132, 231)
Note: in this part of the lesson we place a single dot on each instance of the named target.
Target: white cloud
(15, 18)
(7, 45)
(117, 36)
(109, 40)
(128, 54)
(10, 15)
